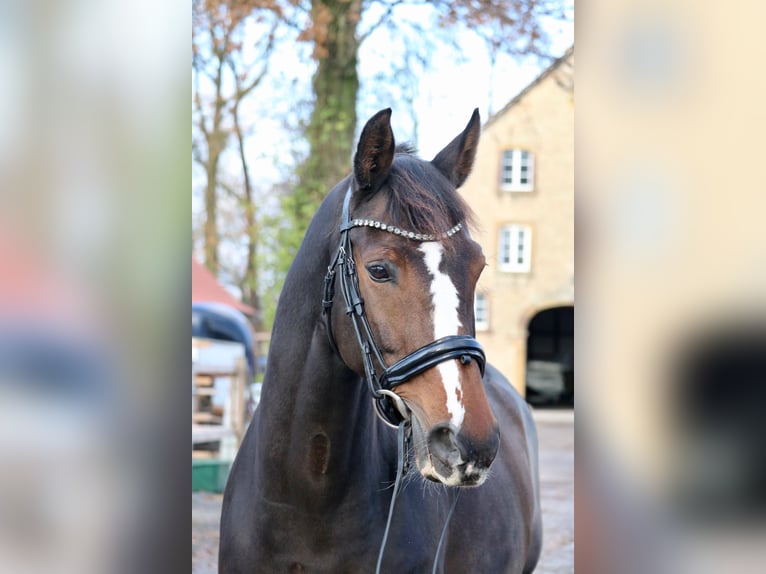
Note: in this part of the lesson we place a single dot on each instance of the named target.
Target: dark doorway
(550, 358)
(718, 403)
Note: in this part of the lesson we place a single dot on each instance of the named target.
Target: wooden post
(237, 397)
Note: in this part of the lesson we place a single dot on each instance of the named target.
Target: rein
(389, 407)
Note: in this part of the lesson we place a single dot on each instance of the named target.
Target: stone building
(522, 191)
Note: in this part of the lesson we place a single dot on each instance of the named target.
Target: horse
(376, 391)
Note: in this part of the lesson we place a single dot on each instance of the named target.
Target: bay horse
(375, 329)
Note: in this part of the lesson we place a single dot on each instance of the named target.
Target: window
(481, 312)
(517, 170)
(515, 248)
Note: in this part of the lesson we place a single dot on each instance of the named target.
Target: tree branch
(382, 20)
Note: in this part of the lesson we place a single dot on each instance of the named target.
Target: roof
(35, 287)
(206, 289)
(547, 72)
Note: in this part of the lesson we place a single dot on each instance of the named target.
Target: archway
(717, 403)
(550, 358)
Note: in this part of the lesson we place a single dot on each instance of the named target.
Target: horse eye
(378, 273)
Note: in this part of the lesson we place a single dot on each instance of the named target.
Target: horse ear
(456, 160)
(375, 152)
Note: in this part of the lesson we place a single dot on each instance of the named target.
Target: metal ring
(376, 407)
(399, 403)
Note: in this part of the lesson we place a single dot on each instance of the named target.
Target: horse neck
(315, 411)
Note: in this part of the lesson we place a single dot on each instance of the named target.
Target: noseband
(389, 405)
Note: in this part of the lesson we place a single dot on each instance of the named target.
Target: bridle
(389, 406)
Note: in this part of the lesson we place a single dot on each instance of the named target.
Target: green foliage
(274, 258)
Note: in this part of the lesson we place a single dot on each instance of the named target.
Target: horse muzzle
(454, 458)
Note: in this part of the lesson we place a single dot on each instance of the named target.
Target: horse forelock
(420, 198)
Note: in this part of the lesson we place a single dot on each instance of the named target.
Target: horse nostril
(443, 444)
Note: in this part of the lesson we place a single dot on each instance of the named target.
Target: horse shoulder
(512, 412)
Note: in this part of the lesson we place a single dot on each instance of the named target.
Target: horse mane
(406, 148)
(420, 198)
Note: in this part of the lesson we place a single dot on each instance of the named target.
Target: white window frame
(514, 249)
(511, 163)
(481, 311)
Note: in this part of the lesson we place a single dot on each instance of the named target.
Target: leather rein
(389, 406)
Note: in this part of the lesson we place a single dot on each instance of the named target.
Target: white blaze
(446, 322)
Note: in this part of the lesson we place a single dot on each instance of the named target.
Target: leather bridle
(389, 406)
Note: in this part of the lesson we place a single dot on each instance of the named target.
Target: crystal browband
(408, 234)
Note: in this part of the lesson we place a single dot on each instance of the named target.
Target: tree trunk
(331, 128)
(215, 138)
(211, 225)
(250, 278)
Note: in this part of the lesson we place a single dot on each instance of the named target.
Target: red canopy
(32, 285)
(206, 289)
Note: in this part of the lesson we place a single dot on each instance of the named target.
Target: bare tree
(230, 72)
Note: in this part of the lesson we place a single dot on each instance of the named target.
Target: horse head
(416, 269)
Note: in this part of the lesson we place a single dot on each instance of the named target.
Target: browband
(402, 232)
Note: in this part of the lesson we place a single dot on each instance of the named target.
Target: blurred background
(670, 239)
(94, 236)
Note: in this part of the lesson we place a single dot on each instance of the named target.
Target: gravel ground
(556, 436)
(206, 516)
